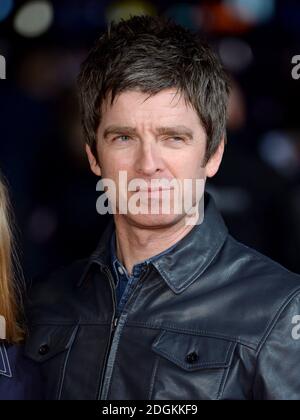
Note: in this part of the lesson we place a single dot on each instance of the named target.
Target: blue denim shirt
(19, 377)
(124, 282)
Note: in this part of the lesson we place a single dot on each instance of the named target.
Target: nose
(148, 161)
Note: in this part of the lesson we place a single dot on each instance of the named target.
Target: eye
(122, 139)
(176, 139)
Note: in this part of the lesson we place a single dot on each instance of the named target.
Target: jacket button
(192, 357)
(44, 349)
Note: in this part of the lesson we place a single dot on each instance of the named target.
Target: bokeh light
(252, 11)
(125, 9)
(34, 18)
(217, 18)
(6, 7)
(189, 16)
(235, 53)
(279, 151)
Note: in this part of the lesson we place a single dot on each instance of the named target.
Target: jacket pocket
(50, 345)
(190, 366)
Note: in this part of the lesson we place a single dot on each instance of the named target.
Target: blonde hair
(9, 293)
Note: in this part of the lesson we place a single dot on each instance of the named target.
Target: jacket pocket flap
(45, 342)
(194, 352)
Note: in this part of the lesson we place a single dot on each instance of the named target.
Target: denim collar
(188, 258)
(137, 268)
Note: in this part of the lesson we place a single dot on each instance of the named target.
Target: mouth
(150, 189)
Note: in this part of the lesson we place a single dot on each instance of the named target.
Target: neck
(135, 243)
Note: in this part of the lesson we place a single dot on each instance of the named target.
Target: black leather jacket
(213, 319)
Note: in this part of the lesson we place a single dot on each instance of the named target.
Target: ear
(94, 165)
(214, 162)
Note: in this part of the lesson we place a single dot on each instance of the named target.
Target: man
(164, 308)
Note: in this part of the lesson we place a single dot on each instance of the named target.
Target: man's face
(157, 137)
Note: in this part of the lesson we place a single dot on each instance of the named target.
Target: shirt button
(192, 357)
(120, 269)
(44, 349)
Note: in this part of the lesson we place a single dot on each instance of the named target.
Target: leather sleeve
(277, 374)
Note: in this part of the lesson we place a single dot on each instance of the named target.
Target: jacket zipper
(114, 323)
(113, 327)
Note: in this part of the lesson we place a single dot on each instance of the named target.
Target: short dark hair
(151, 54)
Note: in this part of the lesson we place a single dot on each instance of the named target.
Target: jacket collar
(189, 258)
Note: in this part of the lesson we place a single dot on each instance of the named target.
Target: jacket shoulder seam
(271, 325)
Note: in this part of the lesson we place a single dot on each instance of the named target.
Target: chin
(154, 221)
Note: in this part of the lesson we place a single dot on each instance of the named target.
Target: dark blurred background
(41, 145)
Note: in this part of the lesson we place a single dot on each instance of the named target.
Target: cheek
(187, 166)
(113, 163)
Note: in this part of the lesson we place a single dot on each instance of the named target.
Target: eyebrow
(174, 130)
